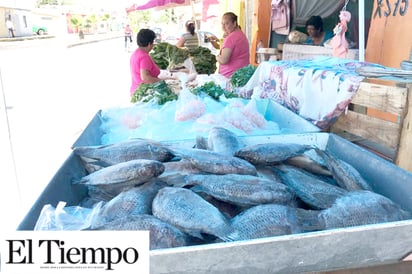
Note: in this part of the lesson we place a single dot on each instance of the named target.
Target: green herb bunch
(167, 56)
(160, 92)
(241, 76)
(213, 90)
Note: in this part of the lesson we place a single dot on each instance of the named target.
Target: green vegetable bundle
(241, 76)
(213, 90)
(167, 56)
(160, 92)
(203, 60)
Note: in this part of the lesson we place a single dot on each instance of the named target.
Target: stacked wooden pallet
(379, 118)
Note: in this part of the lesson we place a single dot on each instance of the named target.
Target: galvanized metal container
(355, 247)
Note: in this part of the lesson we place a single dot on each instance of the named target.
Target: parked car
(39, 30)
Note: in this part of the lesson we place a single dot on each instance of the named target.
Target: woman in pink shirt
(234, 53)
(142, 67)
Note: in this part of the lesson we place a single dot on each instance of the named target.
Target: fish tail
(309, 220)
(309, 147)
(320, 152)
(195, 234)
(78, 181)
(405, 215)
(327, 159)
(231, 236)
(226, 232)
(82, 150)
(280, 169)
(176, 180)
(197, 189)
(201, 142)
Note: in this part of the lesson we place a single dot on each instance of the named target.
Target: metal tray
(361, 246)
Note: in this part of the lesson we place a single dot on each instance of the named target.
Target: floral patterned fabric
(318, 89)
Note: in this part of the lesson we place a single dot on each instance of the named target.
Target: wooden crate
(379, 118)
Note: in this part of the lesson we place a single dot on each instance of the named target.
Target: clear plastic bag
(67, 218)
(188, 106)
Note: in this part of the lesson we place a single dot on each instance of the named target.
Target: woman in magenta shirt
(142, 67)
(234, 53)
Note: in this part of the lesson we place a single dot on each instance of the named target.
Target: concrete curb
(93, 40)
(23, 38)
(88, 38)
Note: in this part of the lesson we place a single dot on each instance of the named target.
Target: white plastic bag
(66, 218)
(189, 106)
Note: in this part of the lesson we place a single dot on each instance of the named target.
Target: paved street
(49, 93)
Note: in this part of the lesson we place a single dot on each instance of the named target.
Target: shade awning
(158, 4)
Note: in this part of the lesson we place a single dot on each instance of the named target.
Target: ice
(186, 118)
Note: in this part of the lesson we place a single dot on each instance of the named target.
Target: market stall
(254, 121)
(284, 103)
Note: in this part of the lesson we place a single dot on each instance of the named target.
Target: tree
(46, 2)
(76, 22)
(139, 19)
(91, 22)
(169, 16)
(146, 18)
(40, 3)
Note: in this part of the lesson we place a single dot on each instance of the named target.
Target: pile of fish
(224, 190)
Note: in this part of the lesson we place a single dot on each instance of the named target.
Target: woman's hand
(167, 75)
(215, 41)
(212, 38)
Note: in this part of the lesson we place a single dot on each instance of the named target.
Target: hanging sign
(388, 8)
(389, 29)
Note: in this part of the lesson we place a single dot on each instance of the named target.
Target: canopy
(164, 4)
(160, 4)
(303, 9)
